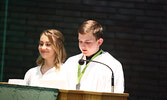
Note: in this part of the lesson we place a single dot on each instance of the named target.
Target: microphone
(82, 61)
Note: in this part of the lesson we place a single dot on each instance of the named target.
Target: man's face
(88, 44)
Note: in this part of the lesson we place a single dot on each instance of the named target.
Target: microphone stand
(81, 62)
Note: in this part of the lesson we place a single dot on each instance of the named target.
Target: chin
(44, 57)
(86, 54)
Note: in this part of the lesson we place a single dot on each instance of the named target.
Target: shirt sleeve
(119, 79)
(27, 77)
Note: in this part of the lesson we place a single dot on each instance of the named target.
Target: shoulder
(32, 70)
(108, 58)
(72, 61)
(75, 57)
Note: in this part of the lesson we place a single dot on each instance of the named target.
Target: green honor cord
(80, 74)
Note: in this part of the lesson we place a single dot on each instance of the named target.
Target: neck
(48, 63)
(89, 57)
(46, 66)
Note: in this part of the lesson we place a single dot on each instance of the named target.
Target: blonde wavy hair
(57, 41)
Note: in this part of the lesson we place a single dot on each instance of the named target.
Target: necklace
(42, 70)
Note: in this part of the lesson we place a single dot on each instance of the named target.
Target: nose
(82, 44)
(43, 46)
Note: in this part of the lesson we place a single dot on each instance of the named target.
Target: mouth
(43, 51)
(84, 51)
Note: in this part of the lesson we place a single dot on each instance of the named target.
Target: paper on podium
(17, 81)
(59, 84)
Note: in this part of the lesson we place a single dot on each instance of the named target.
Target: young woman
(52, 55)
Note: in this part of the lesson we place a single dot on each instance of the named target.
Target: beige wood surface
(88, 95)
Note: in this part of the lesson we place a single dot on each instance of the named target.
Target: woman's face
(46, 48)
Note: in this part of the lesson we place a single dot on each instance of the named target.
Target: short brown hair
(93, 27)
(57, 40)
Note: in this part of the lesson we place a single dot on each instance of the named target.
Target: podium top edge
(92, 92)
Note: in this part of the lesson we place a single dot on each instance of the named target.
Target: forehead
(86, 37)
(44, 38)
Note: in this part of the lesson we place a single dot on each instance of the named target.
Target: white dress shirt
(97, 77)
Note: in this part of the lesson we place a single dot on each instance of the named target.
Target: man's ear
(100, 41)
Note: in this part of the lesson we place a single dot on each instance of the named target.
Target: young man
(93, 76)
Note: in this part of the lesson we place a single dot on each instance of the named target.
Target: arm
(119, 79)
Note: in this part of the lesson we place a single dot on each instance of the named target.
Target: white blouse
(51, 78)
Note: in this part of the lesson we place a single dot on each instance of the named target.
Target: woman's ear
(100, 41)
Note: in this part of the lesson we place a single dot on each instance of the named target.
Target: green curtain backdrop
(4, 39)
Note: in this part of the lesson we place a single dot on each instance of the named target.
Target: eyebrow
(46, 41)
(86, 40)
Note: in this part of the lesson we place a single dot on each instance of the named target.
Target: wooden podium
(19, 92)
(88, 95)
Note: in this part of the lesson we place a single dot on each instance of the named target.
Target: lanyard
(80, 74)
